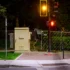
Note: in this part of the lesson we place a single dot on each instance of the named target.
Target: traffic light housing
(52, 23)
(43, 8)
(56, 5)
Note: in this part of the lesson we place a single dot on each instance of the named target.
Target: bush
(58, 42)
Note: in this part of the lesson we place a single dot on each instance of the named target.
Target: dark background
(27, 12)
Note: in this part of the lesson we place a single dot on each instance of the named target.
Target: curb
(19, 56)
(41, 65)
(37, 63)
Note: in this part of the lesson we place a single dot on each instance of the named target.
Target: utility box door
(22, 39)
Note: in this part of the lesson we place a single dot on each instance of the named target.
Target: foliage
(2, 18)
(66, 43)
(59, 42)
(2, 11)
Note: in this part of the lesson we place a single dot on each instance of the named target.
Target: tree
(2, 20)
(2, 16)
(2, 10)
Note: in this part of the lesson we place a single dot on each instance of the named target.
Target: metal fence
(56, 40)
(66, 40)
(59, 40)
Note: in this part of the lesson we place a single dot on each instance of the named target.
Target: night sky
(27, 12)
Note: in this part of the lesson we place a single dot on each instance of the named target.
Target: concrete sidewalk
(35, 59)
(33, 63)
(43, 56)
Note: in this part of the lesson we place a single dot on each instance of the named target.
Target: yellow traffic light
(43, 8)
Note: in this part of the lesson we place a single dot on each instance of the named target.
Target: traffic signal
(43, 8)
(52, 23)
(56, 5)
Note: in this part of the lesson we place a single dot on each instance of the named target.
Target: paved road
(18, 69)
(62, 67)
(59, 67)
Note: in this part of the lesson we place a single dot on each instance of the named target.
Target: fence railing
(59, 40)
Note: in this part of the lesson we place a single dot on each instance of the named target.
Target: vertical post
(62, 46)
(6, 37)
(41, 39)
(60, 40)
(49, 29)
(63, 52)
(49, 40)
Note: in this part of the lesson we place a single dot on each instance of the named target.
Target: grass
(10, 55)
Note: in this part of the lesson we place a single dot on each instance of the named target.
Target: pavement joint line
(39, 64)
(19, 56)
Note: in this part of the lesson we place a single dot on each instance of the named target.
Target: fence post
(41, 39)
(62, 45)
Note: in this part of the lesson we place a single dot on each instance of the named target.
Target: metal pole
(41, 40)
(49, 29)
(49, 40)
(60, 40)
(63, 53)
(6, 37)
(62, 46)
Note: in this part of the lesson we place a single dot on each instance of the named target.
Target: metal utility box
(22, 39)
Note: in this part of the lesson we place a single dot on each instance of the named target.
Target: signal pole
(44, 9)
(49, 29)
